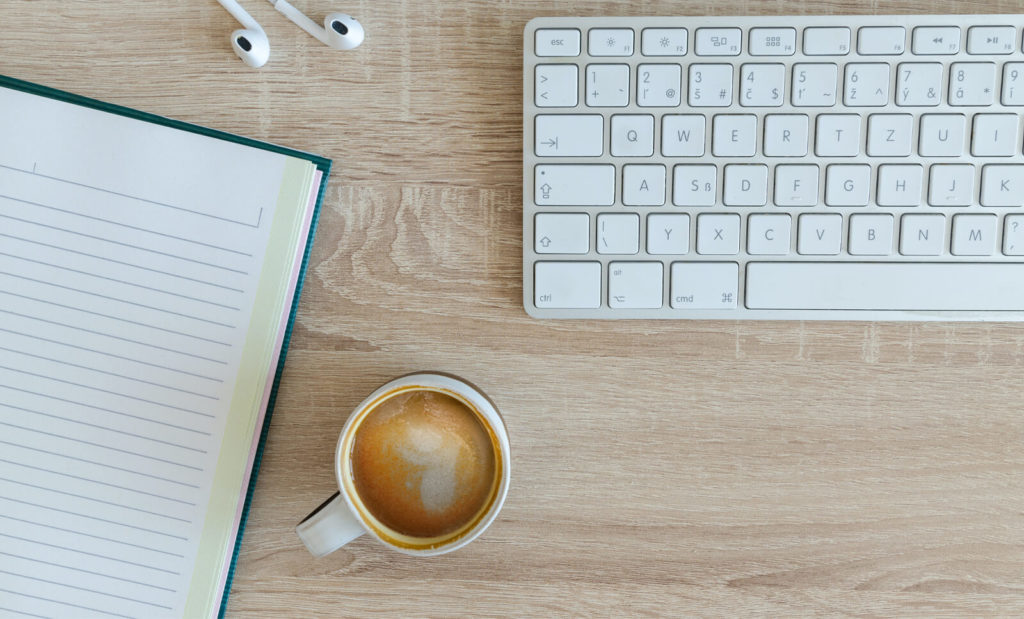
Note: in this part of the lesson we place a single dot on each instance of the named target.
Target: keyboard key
(871, 235)
(745, 185)
(991, 40)
(557, 42)
(704, 285)
(972, 83)
(819, 234)
(658, 85)
(826, 41)
(1013, 236)
(785, 135)
(734, 135)
(668, 234)
(1013, 83)
(884, 286)
(663, 42)
(922, 235)
(694, 185)
(936, 40)
(772, 41)
(556, 85)
(881, 40)
(899, 185)
(636, 285)
(643, 185)
(867, 84)
(564, 135)
(762, 85)
(814, 85)
(682, 135)
(942, 135)
(1002, 185)
(994, 135)
(567, 285)
(768, 235)
(974, 235)
(607, 85)
(718, 234)
(632, 135)
(618, 233)
(837, 135)
(710, 85)
(718, 41)
(951, 185)
(847, 185)
(574, 185)
(561, 233)
(918, 83)
(610, 42)
(796, 185)
(889, 135)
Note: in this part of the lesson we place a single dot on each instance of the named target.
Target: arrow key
(561, 233)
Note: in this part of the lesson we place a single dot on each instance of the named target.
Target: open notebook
(149, 274)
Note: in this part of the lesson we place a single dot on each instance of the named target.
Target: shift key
(574, 185)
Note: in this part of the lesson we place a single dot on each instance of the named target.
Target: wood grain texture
(711, 468)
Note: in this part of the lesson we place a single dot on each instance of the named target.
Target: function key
(663, 42)
(772, 41)
(991, 40)
(826, 41)
(552, 42)
(718, 41)
(881, 40)
(936, 40)
(610, 42)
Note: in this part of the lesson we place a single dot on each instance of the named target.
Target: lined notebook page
(130, 256)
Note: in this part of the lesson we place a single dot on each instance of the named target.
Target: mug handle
(329, 527)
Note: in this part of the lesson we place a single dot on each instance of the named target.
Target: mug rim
(483, 406)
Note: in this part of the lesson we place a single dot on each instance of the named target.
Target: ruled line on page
(92, 444)
(121, 262)
(90, 572)
(103, 352)
(21, 612)
(111, 298)
(123, 244)
(112, 336)
(95, 481)
(86, 589)
(124, 320)
(114, 374)
(90, 554)
(107, 410)
(62, 603)
(96, 518)
(121, 281)
(108, 391)
(103, 464)
(259, 216)
(129, 226)
(99, 427)
(99, 537)
(94, 499)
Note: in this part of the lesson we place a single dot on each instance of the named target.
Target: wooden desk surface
(712, 468)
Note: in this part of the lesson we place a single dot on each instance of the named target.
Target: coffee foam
(423, 463)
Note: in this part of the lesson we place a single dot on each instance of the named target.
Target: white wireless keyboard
(840, 167)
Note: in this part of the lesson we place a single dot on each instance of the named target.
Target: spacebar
(885, 286)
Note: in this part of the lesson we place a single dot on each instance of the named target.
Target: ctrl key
(574, 285)
(704, 285)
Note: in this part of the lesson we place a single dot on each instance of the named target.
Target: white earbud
(250, 42)
(339, 31)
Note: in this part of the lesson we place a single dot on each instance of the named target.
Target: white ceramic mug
(344, 517)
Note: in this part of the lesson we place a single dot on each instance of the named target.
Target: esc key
(558, 42)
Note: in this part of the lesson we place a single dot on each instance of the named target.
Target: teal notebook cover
(321, 163)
